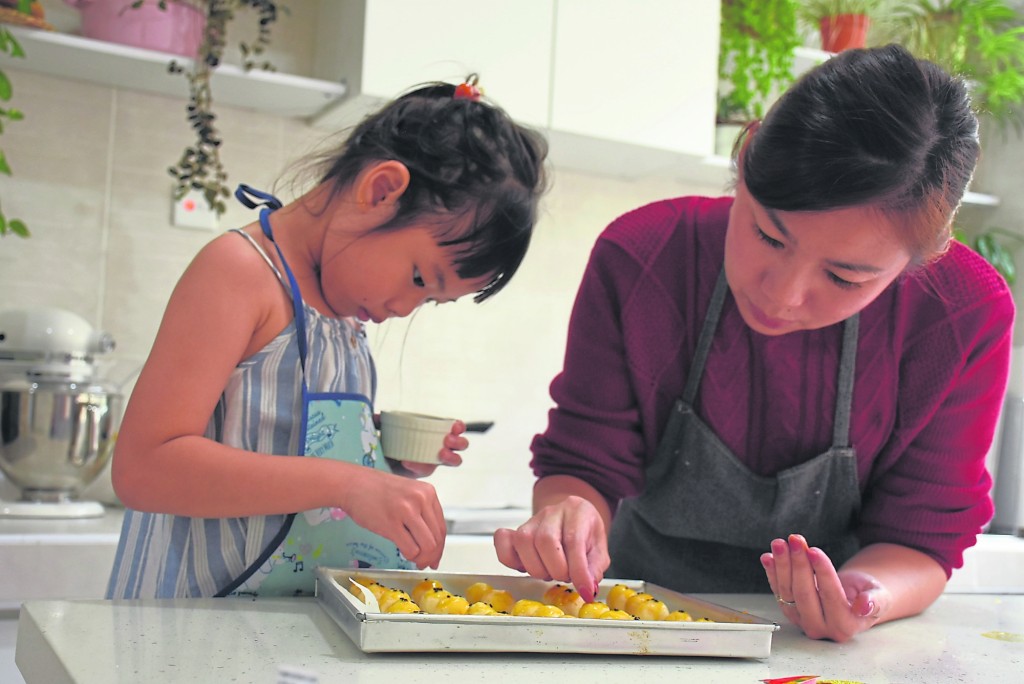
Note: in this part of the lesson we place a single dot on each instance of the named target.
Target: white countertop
(77, 556)
(224, 640)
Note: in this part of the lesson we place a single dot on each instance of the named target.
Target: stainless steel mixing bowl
(56, 436)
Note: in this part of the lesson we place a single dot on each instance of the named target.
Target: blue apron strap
(245, 195)
(268, 203)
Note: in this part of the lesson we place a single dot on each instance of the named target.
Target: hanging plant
(200, 167)
(9, 46)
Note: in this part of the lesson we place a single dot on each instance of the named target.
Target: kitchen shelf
(122, 66)
(978, 199)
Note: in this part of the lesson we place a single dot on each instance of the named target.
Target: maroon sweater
(932, 365)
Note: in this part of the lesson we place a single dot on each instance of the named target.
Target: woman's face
(389, 274)
(792, 271)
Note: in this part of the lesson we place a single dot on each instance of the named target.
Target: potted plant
(981, 40)
(174, 26)
(27, 13)
(755, 59)
(842, 24)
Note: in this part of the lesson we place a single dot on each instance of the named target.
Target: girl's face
(389, 274)
(792, 271)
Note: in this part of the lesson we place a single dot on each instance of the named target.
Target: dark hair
(869, 127)
(466, 158)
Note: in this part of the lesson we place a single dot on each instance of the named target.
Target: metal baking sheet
(733, 633)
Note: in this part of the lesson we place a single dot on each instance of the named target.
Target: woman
(814, 361)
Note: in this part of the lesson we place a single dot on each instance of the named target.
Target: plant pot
(177, 30)
(844, 31)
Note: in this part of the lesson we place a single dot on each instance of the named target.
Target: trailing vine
(200, 167)
(9, 46)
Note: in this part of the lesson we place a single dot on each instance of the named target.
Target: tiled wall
(89, 178)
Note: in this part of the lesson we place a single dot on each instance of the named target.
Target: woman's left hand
(824, 603)
(454, 442)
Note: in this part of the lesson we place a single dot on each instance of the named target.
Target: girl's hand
(405, 511)
(565, 542)
(453, 443)
(828, 604)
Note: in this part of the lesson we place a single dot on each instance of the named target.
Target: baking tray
(733, 634)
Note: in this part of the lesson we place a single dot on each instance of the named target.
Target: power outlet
(192, 211)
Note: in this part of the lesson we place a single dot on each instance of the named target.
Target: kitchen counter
(961, 638)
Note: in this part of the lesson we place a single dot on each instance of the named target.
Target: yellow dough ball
(390, 596)
(616, 615)
(554, 594)
(634, 602)
(403, 605)
(565, 597)
(593, 610)
(548, 610)
(526, 607)
(475, 592)
(679, 616)
(432, 599)
(500, 599)
(481, 608)
(617, 596)
(423, 587)
(453, 605)
(651, 609)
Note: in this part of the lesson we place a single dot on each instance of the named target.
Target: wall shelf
(122, 66)
(977, 199)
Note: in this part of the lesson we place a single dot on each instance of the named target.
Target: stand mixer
(58, 422)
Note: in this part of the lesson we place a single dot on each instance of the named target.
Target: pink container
(178, 29)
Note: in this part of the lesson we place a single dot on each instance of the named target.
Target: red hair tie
(468, 90)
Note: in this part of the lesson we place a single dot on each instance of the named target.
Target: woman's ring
(784, 601)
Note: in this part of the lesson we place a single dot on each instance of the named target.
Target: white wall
(89, 179)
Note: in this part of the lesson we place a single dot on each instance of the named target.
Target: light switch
(192, 212)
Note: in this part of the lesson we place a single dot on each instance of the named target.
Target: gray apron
(704, 518)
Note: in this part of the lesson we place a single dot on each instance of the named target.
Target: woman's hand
(565, 541)
(826, 604)
(404, 510)
(454, 442)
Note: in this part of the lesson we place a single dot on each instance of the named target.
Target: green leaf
(19, 228)
(5, 168)
(5, 87)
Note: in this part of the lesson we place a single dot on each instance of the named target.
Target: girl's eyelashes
(767, 239)
(417, 278)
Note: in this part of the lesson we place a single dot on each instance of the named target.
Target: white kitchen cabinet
(380, 48)
(624, 90)
(641, 73)
(620, 89)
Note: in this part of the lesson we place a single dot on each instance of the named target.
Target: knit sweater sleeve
(929, 488)
(596, 429)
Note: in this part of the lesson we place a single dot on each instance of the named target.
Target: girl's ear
(382, 183)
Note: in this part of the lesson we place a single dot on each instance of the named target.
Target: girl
(811, 361)
(262, 357)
